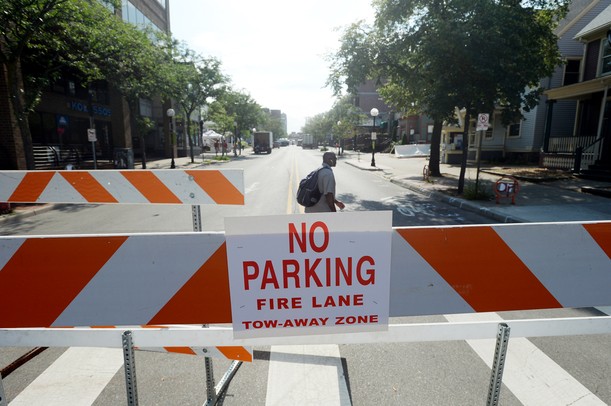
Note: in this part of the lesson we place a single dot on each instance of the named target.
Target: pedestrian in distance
(326, 185)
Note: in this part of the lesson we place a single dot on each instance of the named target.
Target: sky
(273, 50)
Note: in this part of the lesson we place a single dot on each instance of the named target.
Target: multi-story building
(60, 122)
(571, 114)
(390, 123)
(578, 108)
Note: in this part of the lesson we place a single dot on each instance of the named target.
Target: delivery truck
(263, 141)
(308, 141)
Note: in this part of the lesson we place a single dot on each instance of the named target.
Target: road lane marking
(292, 187)
(532, 377)
(76, 378)
(306, 375)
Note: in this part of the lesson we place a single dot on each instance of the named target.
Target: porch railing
(52, 157)
(562, 152)
(588, 155)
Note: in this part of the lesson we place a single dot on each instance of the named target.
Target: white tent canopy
(210, 136)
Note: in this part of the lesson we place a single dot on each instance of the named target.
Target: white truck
(263, 141)
(308, 141)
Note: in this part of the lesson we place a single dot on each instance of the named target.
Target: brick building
(68, 109)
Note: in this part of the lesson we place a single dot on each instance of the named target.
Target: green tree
(138, 63)
(83, 36)
(243, 112)
(435, 55)
(274, 125)
(326, 124)
(197, 81)
(319, 126)
(22, 24)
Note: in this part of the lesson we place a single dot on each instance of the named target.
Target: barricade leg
(213, 391)
(221, 388)
(210, 389)
(130, 369)
(496, 379)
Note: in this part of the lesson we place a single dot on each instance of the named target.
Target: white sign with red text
(309, 274)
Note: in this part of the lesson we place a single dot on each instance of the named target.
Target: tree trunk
(190, 140)
(465, 154)
(435, 146)
(143, 150)
(134, 107)
(16, 92)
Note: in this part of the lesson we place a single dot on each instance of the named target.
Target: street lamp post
(170, 113)
(235, 139)
(374, 112)
(339, 144)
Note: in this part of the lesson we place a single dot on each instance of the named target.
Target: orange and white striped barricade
(434, 270)
(163, 186)
(173, 186)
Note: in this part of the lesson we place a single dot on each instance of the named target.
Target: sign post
(91, 136)
(483, 122)
(312, 274)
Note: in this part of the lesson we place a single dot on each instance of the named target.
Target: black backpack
(308, 193)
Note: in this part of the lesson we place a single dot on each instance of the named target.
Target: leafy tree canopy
(432, 56)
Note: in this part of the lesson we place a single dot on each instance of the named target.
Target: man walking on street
(326, 185)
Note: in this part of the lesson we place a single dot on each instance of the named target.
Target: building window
(571, 72)
(513, 130)
(146, 108)
(606, 59)
(131, 14)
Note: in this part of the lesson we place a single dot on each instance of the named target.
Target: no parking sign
(483, 122)
(309, 274)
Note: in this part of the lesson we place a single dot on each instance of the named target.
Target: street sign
(313, 274)
(91, 136)
(483, 122)
(374, 136)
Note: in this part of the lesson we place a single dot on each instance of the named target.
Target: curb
(363, 167)
(26, 213)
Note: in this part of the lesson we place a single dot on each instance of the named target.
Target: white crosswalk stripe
(533, 377)
(314, 374)
(76, 378)
(306, 375)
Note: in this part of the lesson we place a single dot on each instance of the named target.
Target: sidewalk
(539, 199)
